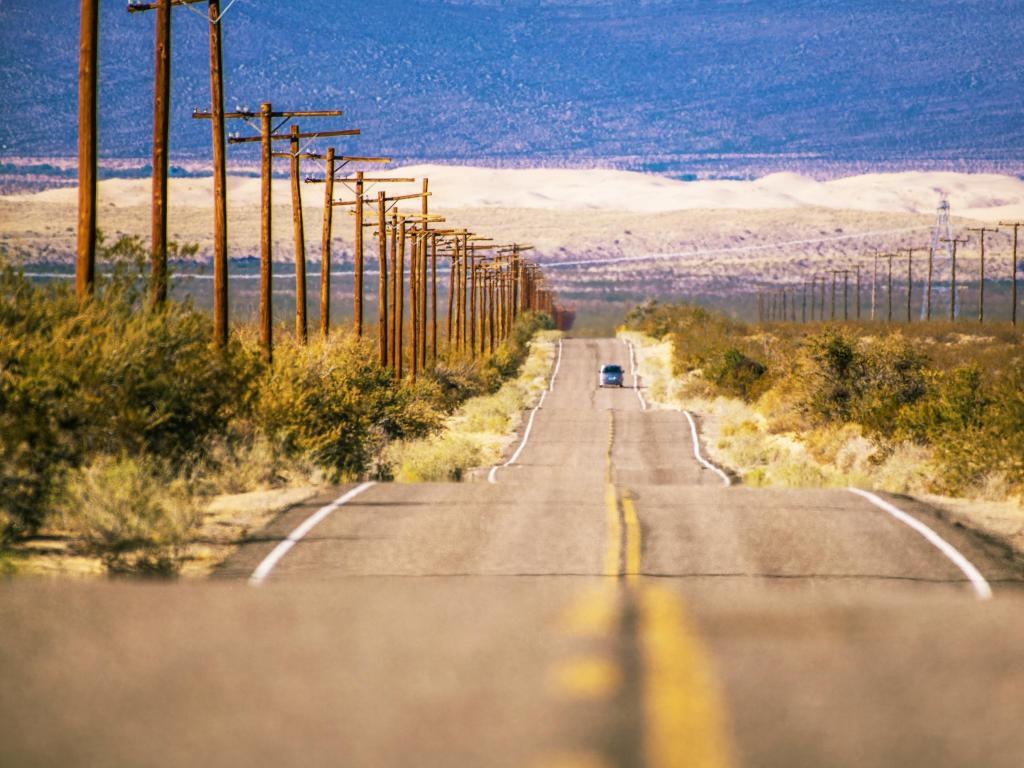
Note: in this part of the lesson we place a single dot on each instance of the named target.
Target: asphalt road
(607, 601)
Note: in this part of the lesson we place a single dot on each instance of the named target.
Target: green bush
(333, 403)
(132, 514)
(831, 374)
(84, 381)
(975, 427)
(708, 342)
(736, 374)
(107, 377)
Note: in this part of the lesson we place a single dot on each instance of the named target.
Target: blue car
(611, 376)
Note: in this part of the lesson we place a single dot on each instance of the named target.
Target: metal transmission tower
(942, 237)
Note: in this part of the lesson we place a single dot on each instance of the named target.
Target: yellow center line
(612, 557)
(683, 713)
(683, 716)
(632, 543)
(593, 676)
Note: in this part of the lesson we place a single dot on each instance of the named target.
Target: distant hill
(663, 86)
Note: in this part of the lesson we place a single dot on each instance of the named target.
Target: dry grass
(479, 432)
(763, 452)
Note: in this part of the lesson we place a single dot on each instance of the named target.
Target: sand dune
(985, 197)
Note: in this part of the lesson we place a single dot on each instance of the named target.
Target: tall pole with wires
(910, 277)
(982, 231)
(325, 245)
(382, 280)
(85, 263)
(357, 319)
(1013, 268)
(266, 139)
(954, 242)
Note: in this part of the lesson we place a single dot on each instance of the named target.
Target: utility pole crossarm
(396, 198)
(289, 136)
(198, 114)
(315, 180)
(139, 7)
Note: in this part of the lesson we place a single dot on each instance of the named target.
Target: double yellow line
(684, 720)
(622, 557)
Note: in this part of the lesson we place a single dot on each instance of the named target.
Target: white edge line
(558, 364)
(492, 476)
(981, 587)
(636, 378)
(696, 451)
(264, 568)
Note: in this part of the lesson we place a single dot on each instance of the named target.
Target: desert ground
(605, 236)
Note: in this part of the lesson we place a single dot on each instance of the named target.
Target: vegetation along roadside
(933, 410)
(130, 444)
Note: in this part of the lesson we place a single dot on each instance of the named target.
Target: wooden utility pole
(216, 116)
(952, 275)
(452, 283)
(358, 204)
(393, 298)
(846, 294)
(832, 308)
(433, 300)
(325, 245)
(220, 179)
(981, 268)
(1013, 268)
(400, 296)
(910, 277)
(889, 257)
(420, 348)
(266, 139)
(161, 124)
(85, 264)
(357, 307)
(301, 328)
(382, 285)
(471, 275)
(874, 284)
(465, 267)
(928, 294)
(266, 243)
(161, 131)
(857, 267)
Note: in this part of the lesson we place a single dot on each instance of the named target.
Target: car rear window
(611, 369)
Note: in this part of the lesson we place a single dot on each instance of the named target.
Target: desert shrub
(977, 430)
(705, 341)
(104, 378)
(831, 373)
(460, 379)
(474, 435)
(435, 460)
(953, 401)
(1006, 423)
(131, 513)
(513, 351)
(736, 374)
(894, 374)
(245, 459)
(333, 403)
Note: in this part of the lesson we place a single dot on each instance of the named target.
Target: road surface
(607, 601)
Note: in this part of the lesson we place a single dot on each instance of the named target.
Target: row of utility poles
(489, 285)
(819, 297)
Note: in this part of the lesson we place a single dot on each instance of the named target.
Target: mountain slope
(653, 86)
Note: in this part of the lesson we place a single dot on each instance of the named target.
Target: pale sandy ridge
(984, 197)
